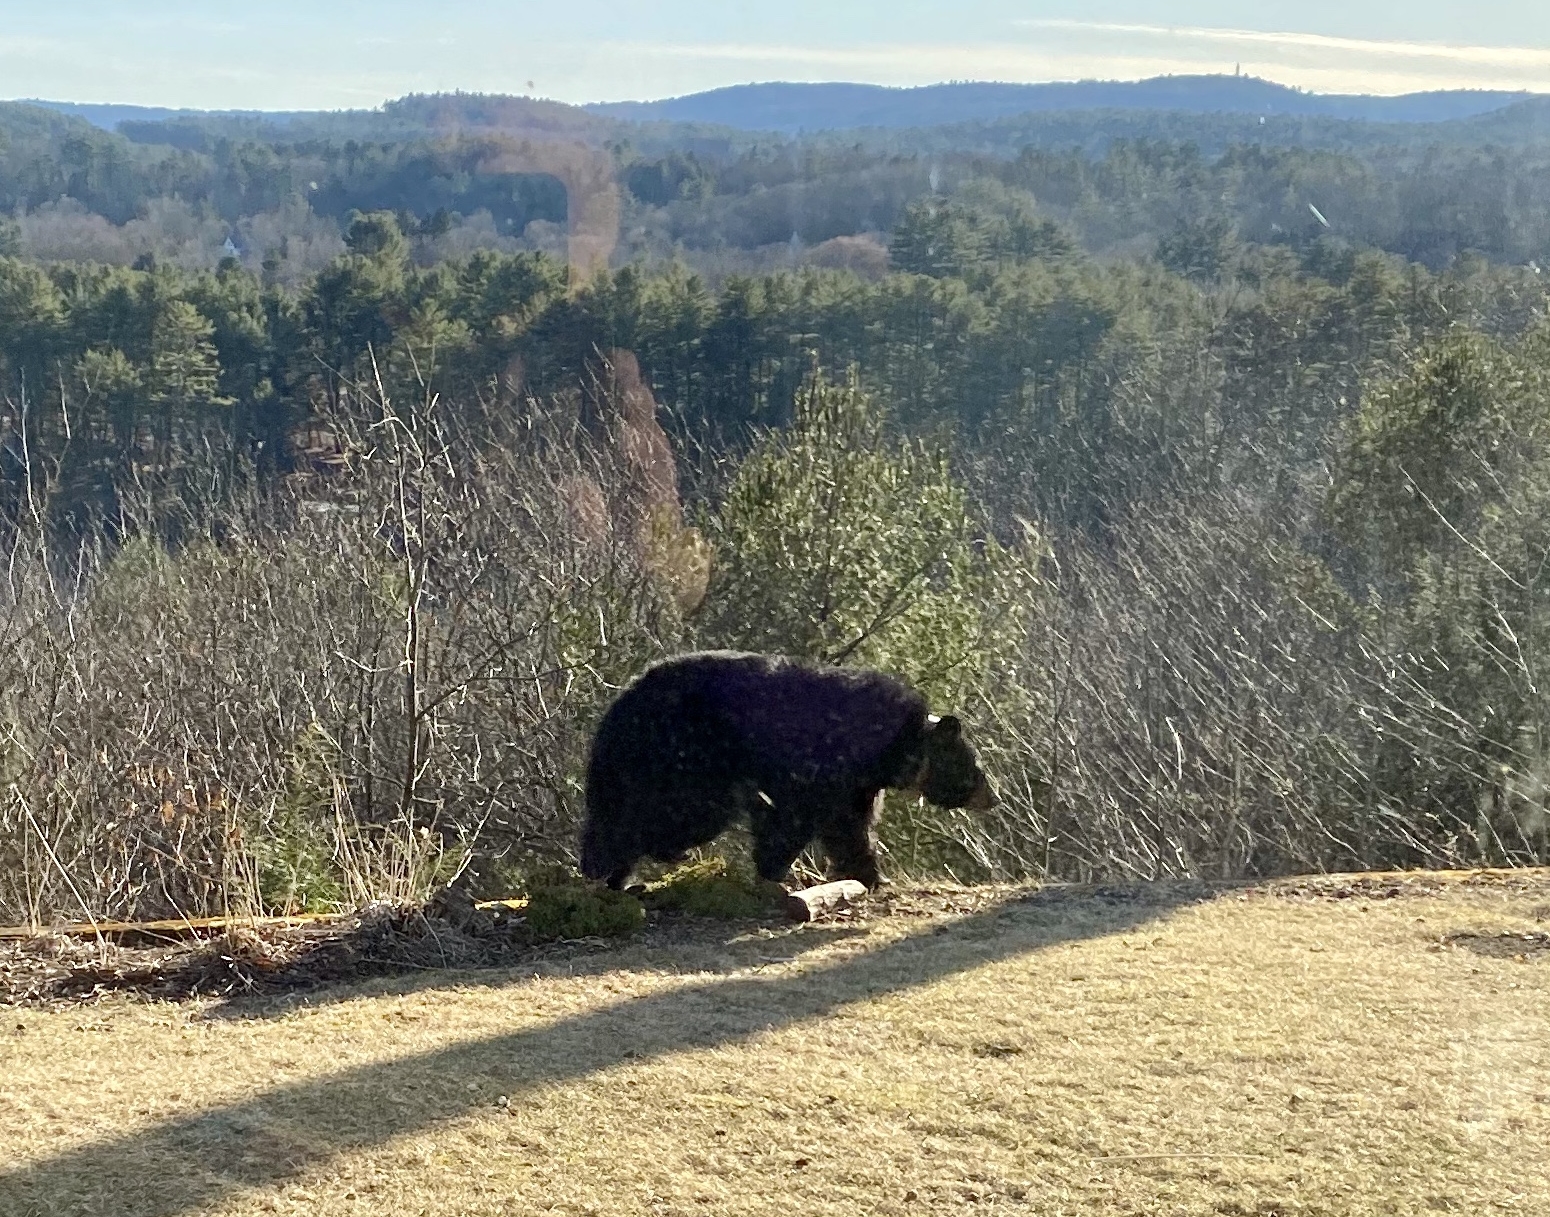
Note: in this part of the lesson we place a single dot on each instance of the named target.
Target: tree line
(1425, 193)
(1230, 550)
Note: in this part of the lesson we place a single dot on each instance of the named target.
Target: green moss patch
(561, 904)
(713, 889)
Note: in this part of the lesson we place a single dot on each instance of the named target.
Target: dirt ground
(1369, 1045)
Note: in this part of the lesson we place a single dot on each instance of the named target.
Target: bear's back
(783, 718)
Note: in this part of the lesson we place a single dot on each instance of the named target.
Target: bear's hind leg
(773, 859)
(849, 842)
(777, 842)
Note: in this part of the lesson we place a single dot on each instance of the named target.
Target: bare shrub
(865, 255)
(293, 239)
(334, 691)
(1195, 697)
(169, 229)
(359, 683)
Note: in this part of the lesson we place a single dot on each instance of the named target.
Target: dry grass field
(1377, 1047)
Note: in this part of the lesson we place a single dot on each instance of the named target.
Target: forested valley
(1200, 464)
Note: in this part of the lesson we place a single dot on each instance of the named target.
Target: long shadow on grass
(196, 1161)
(696, 946)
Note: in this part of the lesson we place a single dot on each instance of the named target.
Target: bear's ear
(948, 727)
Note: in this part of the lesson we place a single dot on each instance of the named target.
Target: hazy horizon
(353, 54)
(65, 101)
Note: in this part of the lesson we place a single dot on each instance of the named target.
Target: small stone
(502, 1101)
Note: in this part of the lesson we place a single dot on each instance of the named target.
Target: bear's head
(950, 774)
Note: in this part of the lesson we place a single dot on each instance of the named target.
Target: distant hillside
(416, 113)
(23, 121)
(791, 108)
(1094, 131)
(109, 117)
(414, 116)
(1526, 122)
(795, 108)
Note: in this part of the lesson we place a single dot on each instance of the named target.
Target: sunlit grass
(1248, 1054)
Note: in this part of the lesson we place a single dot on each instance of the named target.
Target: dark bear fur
(802, 752)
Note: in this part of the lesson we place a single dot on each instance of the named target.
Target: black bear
(803, 752)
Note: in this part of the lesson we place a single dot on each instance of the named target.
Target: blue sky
(312, 54)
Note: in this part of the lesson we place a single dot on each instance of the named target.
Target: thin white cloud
(772, 52)
(1493, 56)
(903, 63)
